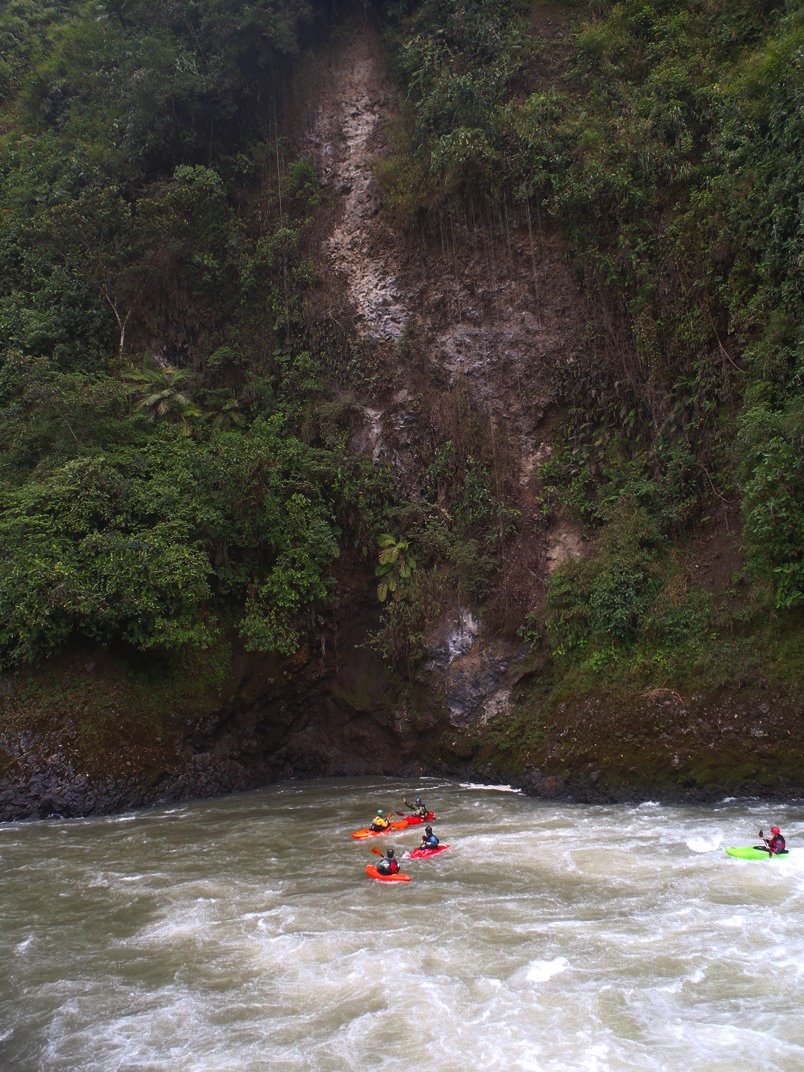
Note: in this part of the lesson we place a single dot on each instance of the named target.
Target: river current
(242, 935)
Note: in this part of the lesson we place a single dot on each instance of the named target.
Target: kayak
(366, 832)
(372, 872)
(422, 854)
(748, 852)
(416, 820)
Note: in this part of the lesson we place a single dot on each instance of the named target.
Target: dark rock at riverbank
(102, 740)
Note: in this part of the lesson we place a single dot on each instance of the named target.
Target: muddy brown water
(242, 934)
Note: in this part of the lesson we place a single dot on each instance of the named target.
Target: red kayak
(372, 872)
(367, 832)
(415, 820)
(422, 854)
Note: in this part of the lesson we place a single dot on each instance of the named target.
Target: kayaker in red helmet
(429, 840)
(775, 844)
(380, 822)
(387, 865)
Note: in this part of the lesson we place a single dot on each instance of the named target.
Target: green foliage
(458, 60)
(773, 466)
(396, 565)
(568, 608)
(306, 544)
(531, 632)
(669, 154)
(80, 553)
(167, 458)
(146, 208)
(682, 621)
(636, 620)
(406, 620)
(619, 599)
(157, 388)
(625, 599)
(135, 543)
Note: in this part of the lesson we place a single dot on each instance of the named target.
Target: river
(241, 935)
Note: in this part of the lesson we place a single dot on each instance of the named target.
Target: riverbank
(95, 734)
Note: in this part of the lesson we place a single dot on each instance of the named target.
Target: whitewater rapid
(241, 934)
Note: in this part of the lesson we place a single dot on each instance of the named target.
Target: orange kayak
(366, 832)
(372, 872)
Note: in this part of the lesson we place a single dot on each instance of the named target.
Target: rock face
(492, 306)
(230, 753)
(331, 711)
(471, 669)
(347, 132)
(492, 303)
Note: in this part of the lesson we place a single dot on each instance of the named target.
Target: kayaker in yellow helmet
(380, 821)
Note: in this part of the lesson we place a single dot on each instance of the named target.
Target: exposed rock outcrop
(489, 301)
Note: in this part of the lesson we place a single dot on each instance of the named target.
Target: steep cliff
(397, 322)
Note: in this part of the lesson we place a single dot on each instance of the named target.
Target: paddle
(765, 848)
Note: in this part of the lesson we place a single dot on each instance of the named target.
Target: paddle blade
(377, 852)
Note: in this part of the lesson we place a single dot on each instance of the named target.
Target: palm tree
(160, 396)
(223, 414)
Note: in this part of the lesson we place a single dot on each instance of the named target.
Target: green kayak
(750, 853)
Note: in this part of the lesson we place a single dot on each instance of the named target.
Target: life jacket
(777, 844)
(387, 867)
(421, 811)
(380, 824)
(430, 842)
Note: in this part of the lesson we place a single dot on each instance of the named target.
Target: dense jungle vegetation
(167, 460)
(665, 143)
(174, 456)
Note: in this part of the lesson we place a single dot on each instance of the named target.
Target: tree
(158, 387)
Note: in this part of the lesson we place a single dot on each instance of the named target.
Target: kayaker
(387, 865)
(429, 840)
(380, 822)
(418, 808)
(775, 844)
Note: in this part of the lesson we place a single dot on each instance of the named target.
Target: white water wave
(704, 844)
(542, 970)
(477, 787)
